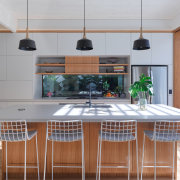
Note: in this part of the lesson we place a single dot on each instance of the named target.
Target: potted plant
(140, 89)
(118, 91)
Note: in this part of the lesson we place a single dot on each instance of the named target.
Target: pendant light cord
(27, 28)
(141, 33)
(84, 30)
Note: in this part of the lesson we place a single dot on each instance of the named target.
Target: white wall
(17, 67)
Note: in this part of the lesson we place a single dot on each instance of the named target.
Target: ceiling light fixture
(27, 44)
(141, 43)
(84, 44)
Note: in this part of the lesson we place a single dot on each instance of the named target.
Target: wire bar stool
(117, 131)
(64, 131)
(16, 131)
(164, 131)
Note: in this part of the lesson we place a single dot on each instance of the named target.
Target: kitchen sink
(93, 106)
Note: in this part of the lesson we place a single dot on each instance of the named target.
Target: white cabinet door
(2, 68)
(19, 68)
(99, 44)
(162, 48)
(140, 57)
(118, 44)
(2, 44)
(46, 43)
(13, 44)
(16, 90)
(67, 43)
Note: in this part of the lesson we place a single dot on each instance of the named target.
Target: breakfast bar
(37, 116)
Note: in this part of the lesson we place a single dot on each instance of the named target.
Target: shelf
(50, 65)
(54, 65)
(82, 73)
(113, 64)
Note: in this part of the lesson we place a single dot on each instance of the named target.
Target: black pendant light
(141, 43)
(84, 44)
(27, 44)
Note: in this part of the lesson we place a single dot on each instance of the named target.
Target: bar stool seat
(116, 137)
(16, 131)
(17, 136)
(166, 136)
(164, 131)
(64, 131)
(65, 136)
(117, 131)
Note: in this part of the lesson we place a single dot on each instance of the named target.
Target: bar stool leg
(143, 156)
(100, 157)
(97, 161)
(137, 159)
(128, 160)
(155, 159)
(25, 161)
(6, 163)
(37, 157)
(45, 158)
(52, 157)
(174, 146)
(83, 165)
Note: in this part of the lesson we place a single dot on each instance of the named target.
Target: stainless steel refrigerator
(159, 77)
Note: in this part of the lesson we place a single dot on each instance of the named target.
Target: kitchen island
(37, 116)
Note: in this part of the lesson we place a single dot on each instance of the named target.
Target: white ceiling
(96, 9)
(100, 14)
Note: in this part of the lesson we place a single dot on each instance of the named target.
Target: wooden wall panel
(82, 64)
(177, 69)
(82, 60)
(71, 153)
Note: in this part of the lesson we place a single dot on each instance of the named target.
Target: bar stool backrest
(66, 130)
(166, 130)
(13, 130)
(119, 130)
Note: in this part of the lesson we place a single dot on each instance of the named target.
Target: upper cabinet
(162, 48)
(13, 44)
(99, 44)
(118, 43)
(141, 57)
(46, 43)
(67, 43)
(2, 44)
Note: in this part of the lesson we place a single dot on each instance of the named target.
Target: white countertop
(42, 113)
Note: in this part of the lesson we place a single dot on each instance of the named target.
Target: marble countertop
(42, 113)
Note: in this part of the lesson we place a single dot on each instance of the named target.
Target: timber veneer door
(177, 69)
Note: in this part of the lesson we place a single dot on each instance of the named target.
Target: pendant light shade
(84, 44)
(27, 44)
(141, 43)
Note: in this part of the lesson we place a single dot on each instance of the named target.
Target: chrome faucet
(90, 96)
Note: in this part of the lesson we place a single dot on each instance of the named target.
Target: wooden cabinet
(118, 44)
(162, 48)
(67, 43)
(46, 43)
(82, 64)
(177, 69)
(71, 153)
(141, 57)
(75, 65)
